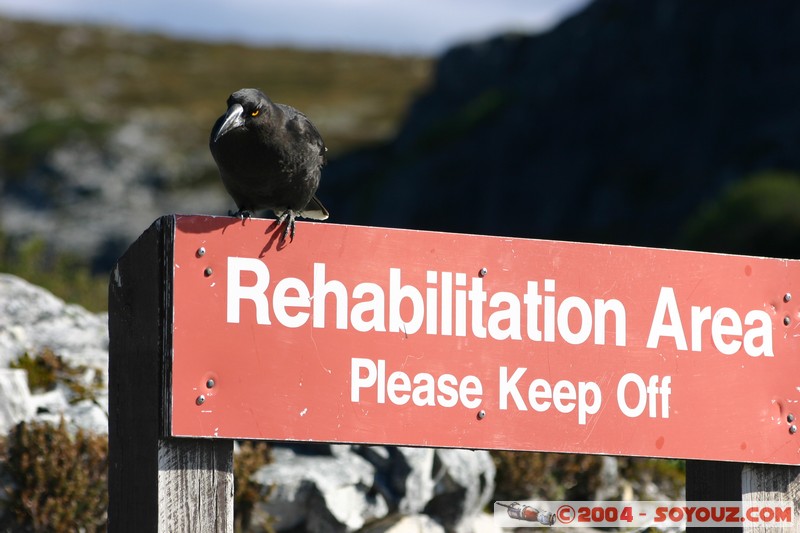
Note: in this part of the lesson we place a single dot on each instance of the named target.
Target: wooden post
(155, 483)
(769, 483)
(714, 481)
(746, 482)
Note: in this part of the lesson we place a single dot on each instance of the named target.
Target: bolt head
(790, 418)
(201, 252)
(210, 383)
(481, 414)
(787, 297)
(208, 271)
(787, 321)
(482, 272)
(200, 400)
(793, 429)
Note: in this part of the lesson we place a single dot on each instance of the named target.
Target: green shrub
(41, 370)
(59, 479)
(465, 120)
(66, 276)
(22, 150)
(562, 476)
(45, 369)
(548, 476)
(757, 216)
(668, 475)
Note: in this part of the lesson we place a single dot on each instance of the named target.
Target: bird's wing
(314, 210)
(300, 125)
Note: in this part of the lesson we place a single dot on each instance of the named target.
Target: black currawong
(270, 156)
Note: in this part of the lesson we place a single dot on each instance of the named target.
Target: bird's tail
(314, 210)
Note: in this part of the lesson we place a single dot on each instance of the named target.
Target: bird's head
(244, 106)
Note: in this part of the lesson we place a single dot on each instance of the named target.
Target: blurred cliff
(632, 122)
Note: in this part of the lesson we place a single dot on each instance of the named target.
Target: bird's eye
(255, 112)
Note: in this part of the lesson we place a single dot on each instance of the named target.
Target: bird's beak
(233, 119)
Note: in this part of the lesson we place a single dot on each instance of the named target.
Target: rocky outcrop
(349, 487)
(615, 126)
(121, 179)
(17, 404)
(31, 321)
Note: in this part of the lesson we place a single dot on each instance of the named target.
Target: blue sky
(397, 26)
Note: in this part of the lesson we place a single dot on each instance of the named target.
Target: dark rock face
(614, 127)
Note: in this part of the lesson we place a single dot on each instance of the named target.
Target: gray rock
(15, 399)
(609, 480)
(398, 523)
(464, 484)
(409, 474)
(52, 402)
(345, 488)
(31, 320)
(89, 415)
(323, 492)
(121, 181)
(484, 523)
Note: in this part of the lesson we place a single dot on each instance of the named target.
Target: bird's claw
(240, 214)
(287, 217)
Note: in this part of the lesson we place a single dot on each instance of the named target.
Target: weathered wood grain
(770, 483)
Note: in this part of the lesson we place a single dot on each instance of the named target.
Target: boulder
(348, 487)
(464, 484)
(16, 405)
(320, 491)
(33, 320)
(418, 523)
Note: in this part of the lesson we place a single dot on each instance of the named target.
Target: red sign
(382, 336)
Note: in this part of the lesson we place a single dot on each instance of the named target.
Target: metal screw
(482, 272)
(200, 400)
(787, 297)
(201, 252)
(481, 414)
(210, 383)
(208, 271)
(793, 429)
(787, 321)
(790, 418)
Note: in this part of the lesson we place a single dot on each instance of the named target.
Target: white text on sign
(371, 381)
(451, 304)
